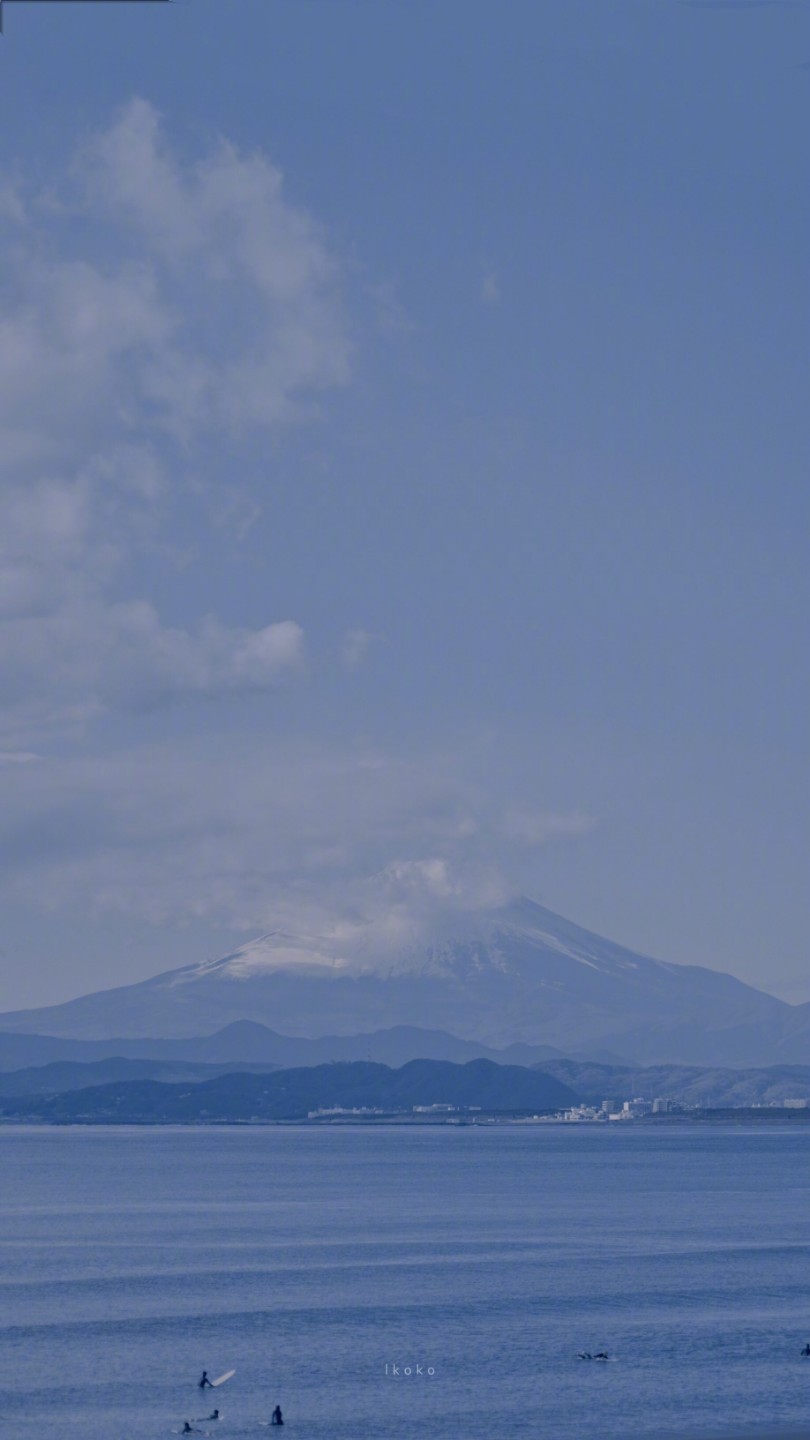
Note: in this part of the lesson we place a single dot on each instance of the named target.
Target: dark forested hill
(290, 1094)
(64, 1075)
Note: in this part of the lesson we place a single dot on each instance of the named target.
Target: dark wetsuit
(277, 1418)
(205, 1383)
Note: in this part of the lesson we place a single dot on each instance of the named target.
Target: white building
(639, 1106)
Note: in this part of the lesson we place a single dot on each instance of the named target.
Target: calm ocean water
(312, 1259)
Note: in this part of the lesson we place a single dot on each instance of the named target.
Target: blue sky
(403, 481)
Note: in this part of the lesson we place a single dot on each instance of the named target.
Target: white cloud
(224, 225)
(160, 316)
(157, 305)
(94, 658)
(261, 834)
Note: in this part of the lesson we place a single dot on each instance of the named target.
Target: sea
(394, 1282)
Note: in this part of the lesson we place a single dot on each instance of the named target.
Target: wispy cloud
(490, 290)
(354, 647)
(262, 833)
(157, 311)
(149, 306)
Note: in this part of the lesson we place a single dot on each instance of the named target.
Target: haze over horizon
(403, 478)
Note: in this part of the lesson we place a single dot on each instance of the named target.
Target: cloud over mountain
(262, 831)
(504, 974)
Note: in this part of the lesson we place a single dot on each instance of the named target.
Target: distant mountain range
(687, 1085)
(254, 1045)
(291, 1094)
(63, 1075)
(707, 1086)
(518, 975)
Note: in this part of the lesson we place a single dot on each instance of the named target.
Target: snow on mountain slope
(488, 943)
(518, 973)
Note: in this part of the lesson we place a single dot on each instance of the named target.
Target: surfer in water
(277, 1418)
(214, 1415)
(805, 1351)
(205, 1383)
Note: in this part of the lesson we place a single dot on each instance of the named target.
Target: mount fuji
(517, 973)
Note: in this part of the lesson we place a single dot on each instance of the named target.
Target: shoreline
(752, 1118)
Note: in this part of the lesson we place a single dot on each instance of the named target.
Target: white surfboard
(222, 1378)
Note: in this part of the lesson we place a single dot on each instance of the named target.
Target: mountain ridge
(518, 974)
(593, 1081)
(247, 1041)
(291, 1094)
